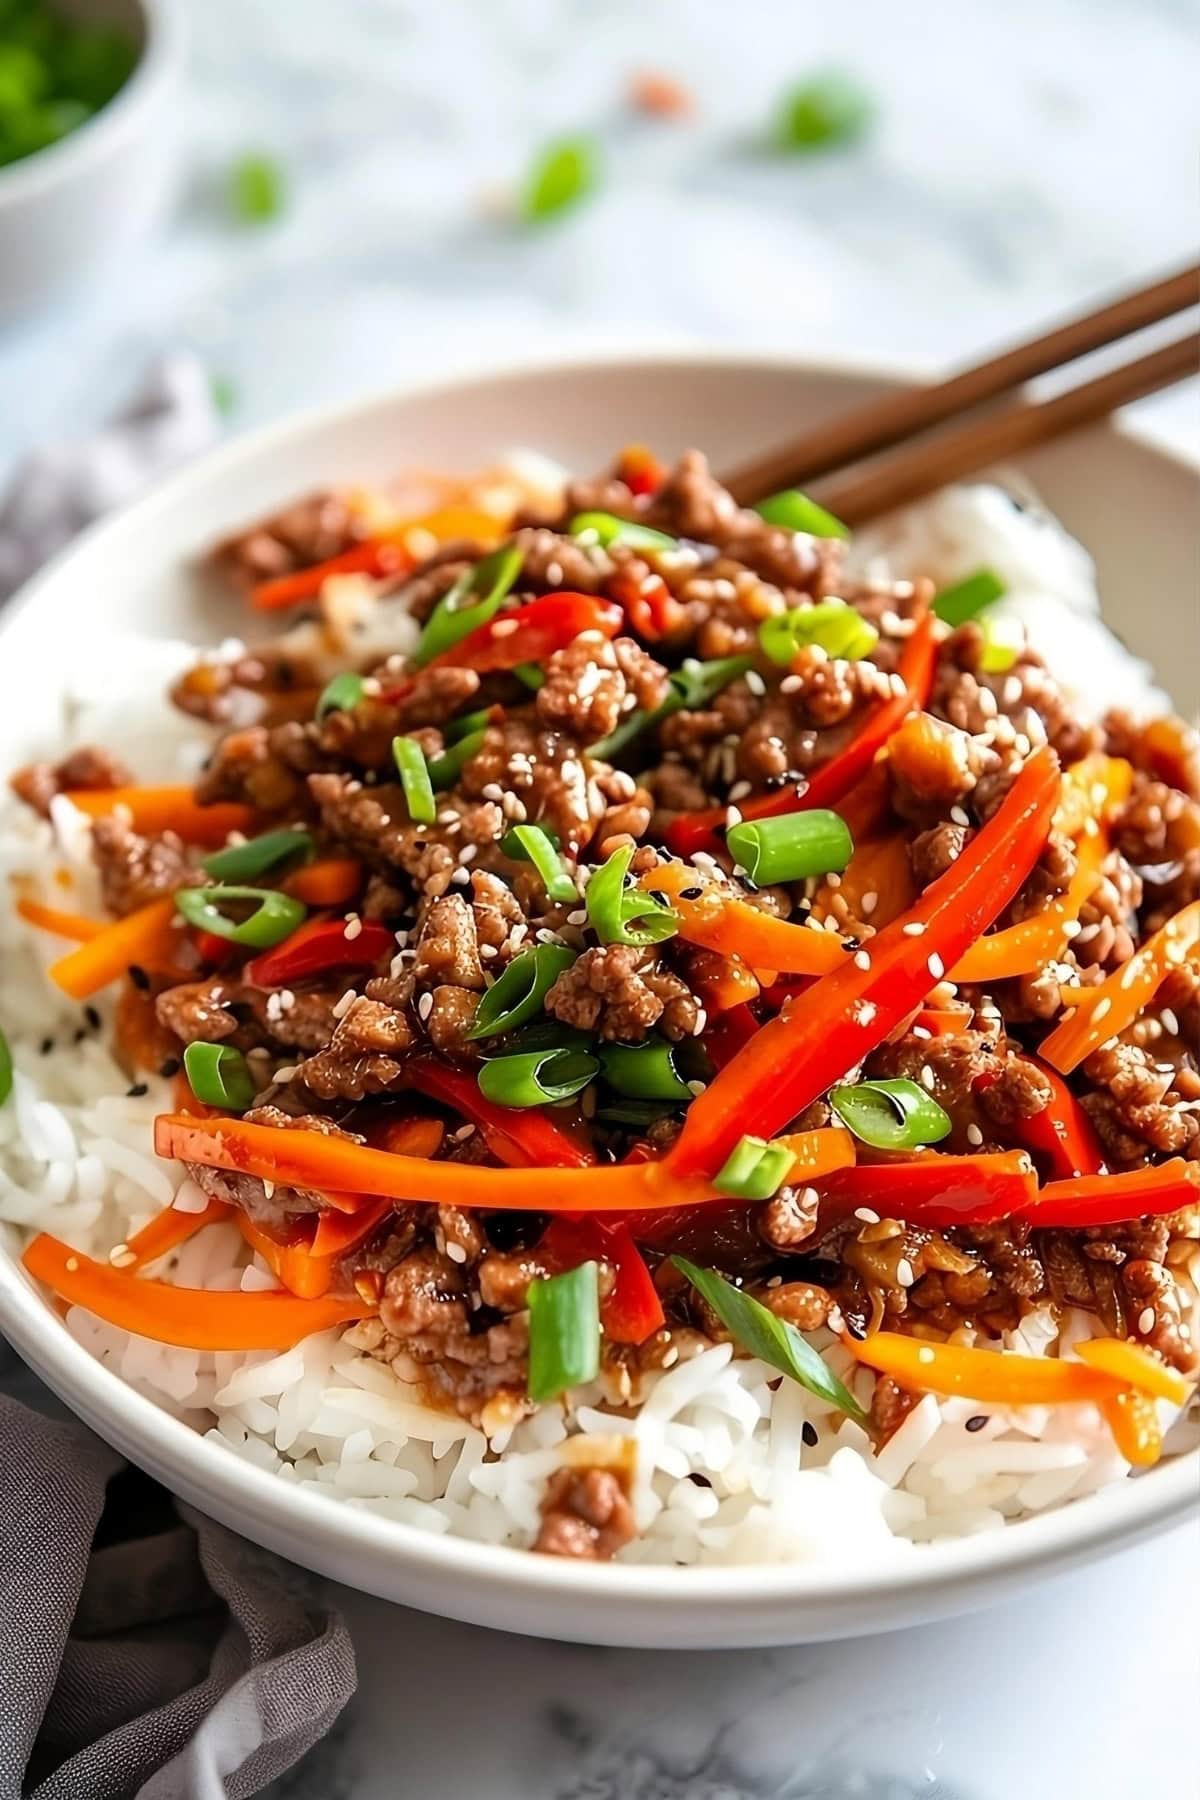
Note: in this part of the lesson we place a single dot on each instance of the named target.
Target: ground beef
(550, 559)
(310, 531)
(134, 870)
(591, 683)
(1026, 695)
(1166, 748)
(934, 766)
(544, 771)
(250, 1194)
(692, 504)
(263, 686)
(932, 852)
(424, 1295)
(585, 1513)
(88, 768)
(260, 766)
(449, 1020)
(224, 1008)
(364, 1055)
(801, 1303)
(373, 823)
(1131, 1108)
(890, 1406)
(1158, 824)
(448, 947)
(949, 1068)
(789, 1218)
(622, 992)
(1108, 917)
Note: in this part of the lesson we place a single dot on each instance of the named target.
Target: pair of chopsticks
(918, 467)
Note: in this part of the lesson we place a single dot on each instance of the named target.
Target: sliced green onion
(275, 916)
(6, 1069)
(467, 724)
(445, 769)
(644, 1071)
(256, 854)
(754, 1169)
(831, 108)
(530, 676)
(890, 1115)
(257, 190)
(1003, 642)
(792, 846)
(414, 779)
(608, 529)
(839, 630)
(517, 995)
(563, 173)
(219, 1075)
(797, 512)
(621, 915)
(564, 1331)
(341, 694)
(474, 599)
(530, 843)
(772, 1340)
(536, 1077)
(694, 684)
(967, 598)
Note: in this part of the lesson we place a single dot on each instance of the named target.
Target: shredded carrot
(337, 1233)
(168, 1229)
(1133, 1421)
(195, 1318)
(1103, 1012)
(145, 938)
(1135, 1367)
(999, 1376)
(722, 982)
(291, 1262)
(331, 881)
(735, 928)
(876, 886)
(62, 924)
(1094, 790)
(819, 1152)
(1032, 943)
(156, 809)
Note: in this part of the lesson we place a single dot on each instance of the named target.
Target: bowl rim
(1066, 1534)
(161, 52)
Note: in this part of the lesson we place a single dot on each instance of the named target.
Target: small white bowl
(1132, 505)
(66, 210)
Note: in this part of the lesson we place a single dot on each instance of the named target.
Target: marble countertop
(1026, 157)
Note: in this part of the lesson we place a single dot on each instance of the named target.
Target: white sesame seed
(670, 1357)
(701, 1022)
(460, 876)
(755, 683)
(974, 1135)
(921, 1031)
(1102, 1007)
(925, 1354)
(1147, 1319)
(502, 628)
(286, 1074)
(464, 1132)
(904, 1273)
(959, 815)
(862, 960)
(492, 791)
(121, 1256)
(455, 1252)
(914, 928)
(936, 966)
(868, 903)
(342, 1006)
(424, 1007)
(809, 1196)
(1170, 1021)
(72, 1262)
(928, 1078)
(352, 928)
(867, 1214)
(732, 816)
(696, 1088)
(739, 790)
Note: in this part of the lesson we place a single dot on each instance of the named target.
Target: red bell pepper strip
(532, 632)
(814, 1041)
(1113, 1199)
(633, 1310)
(650, 606)
(375, 556)
(640, 470)
(318, 945)
(1061, 1134)
(699, 831)
(730, 1033)
(934, 1190)
(521, 1137)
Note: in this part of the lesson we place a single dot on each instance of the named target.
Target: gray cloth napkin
(145, 1652)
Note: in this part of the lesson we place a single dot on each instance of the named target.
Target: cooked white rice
(76, 1160)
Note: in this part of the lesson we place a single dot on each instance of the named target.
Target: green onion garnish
(467, 724)
(256, 189)
(536, 1077)
(414, 779)
(6, 1069)
(530, 843)
(967, 598)
(474, 599)
(829, 109)
(890, 1115)
(754, 1169)
(275, 916)
(1003, 642)
(564, 1331)
(242, 860)
(517, 995)
(792, 846)
(644, 1071)
(563, 173)
(772, 1340)
(839, 630)
(693, 684)
(621, 915)
(530, 676)
(219, 1075)
(608, 529)
(341, 694)
(445, 769)
(798, 513)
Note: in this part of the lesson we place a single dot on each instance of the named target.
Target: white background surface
(1027, 156)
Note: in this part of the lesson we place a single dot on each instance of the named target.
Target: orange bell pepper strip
(330, 881)
(1094, 790)
(338, 1233)
(1133, 1421)
(374, 556)
(1112, 1199)
(814, 1040)
(721, 982)
(1032, 943)
(699, 831)
(1105, 1011)
(733, 927)
(1001, 1377)
(168, 1229)
(878, 873)
(194, 1318)
(146, 938)
(153, 810)
(290, 1260)
(63, 924)
(1135, 1367)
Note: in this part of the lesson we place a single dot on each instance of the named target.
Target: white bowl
(68, 209)
(1130, 503)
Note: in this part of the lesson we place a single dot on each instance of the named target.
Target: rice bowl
(326, 1416)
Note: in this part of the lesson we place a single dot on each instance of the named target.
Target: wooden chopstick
(883, 423)
(922, 468)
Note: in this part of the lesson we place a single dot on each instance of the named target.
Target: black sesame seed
(976, 1422)
(171, 1067)
(808, 1432)
(856, 1331)
(139, 977)
(137, 1091)
(693, 893)
(47, 1046)
(92, 1017)
(80, 1033)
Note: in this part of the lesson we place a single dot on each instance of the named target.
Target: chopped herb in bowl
(55, 73)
